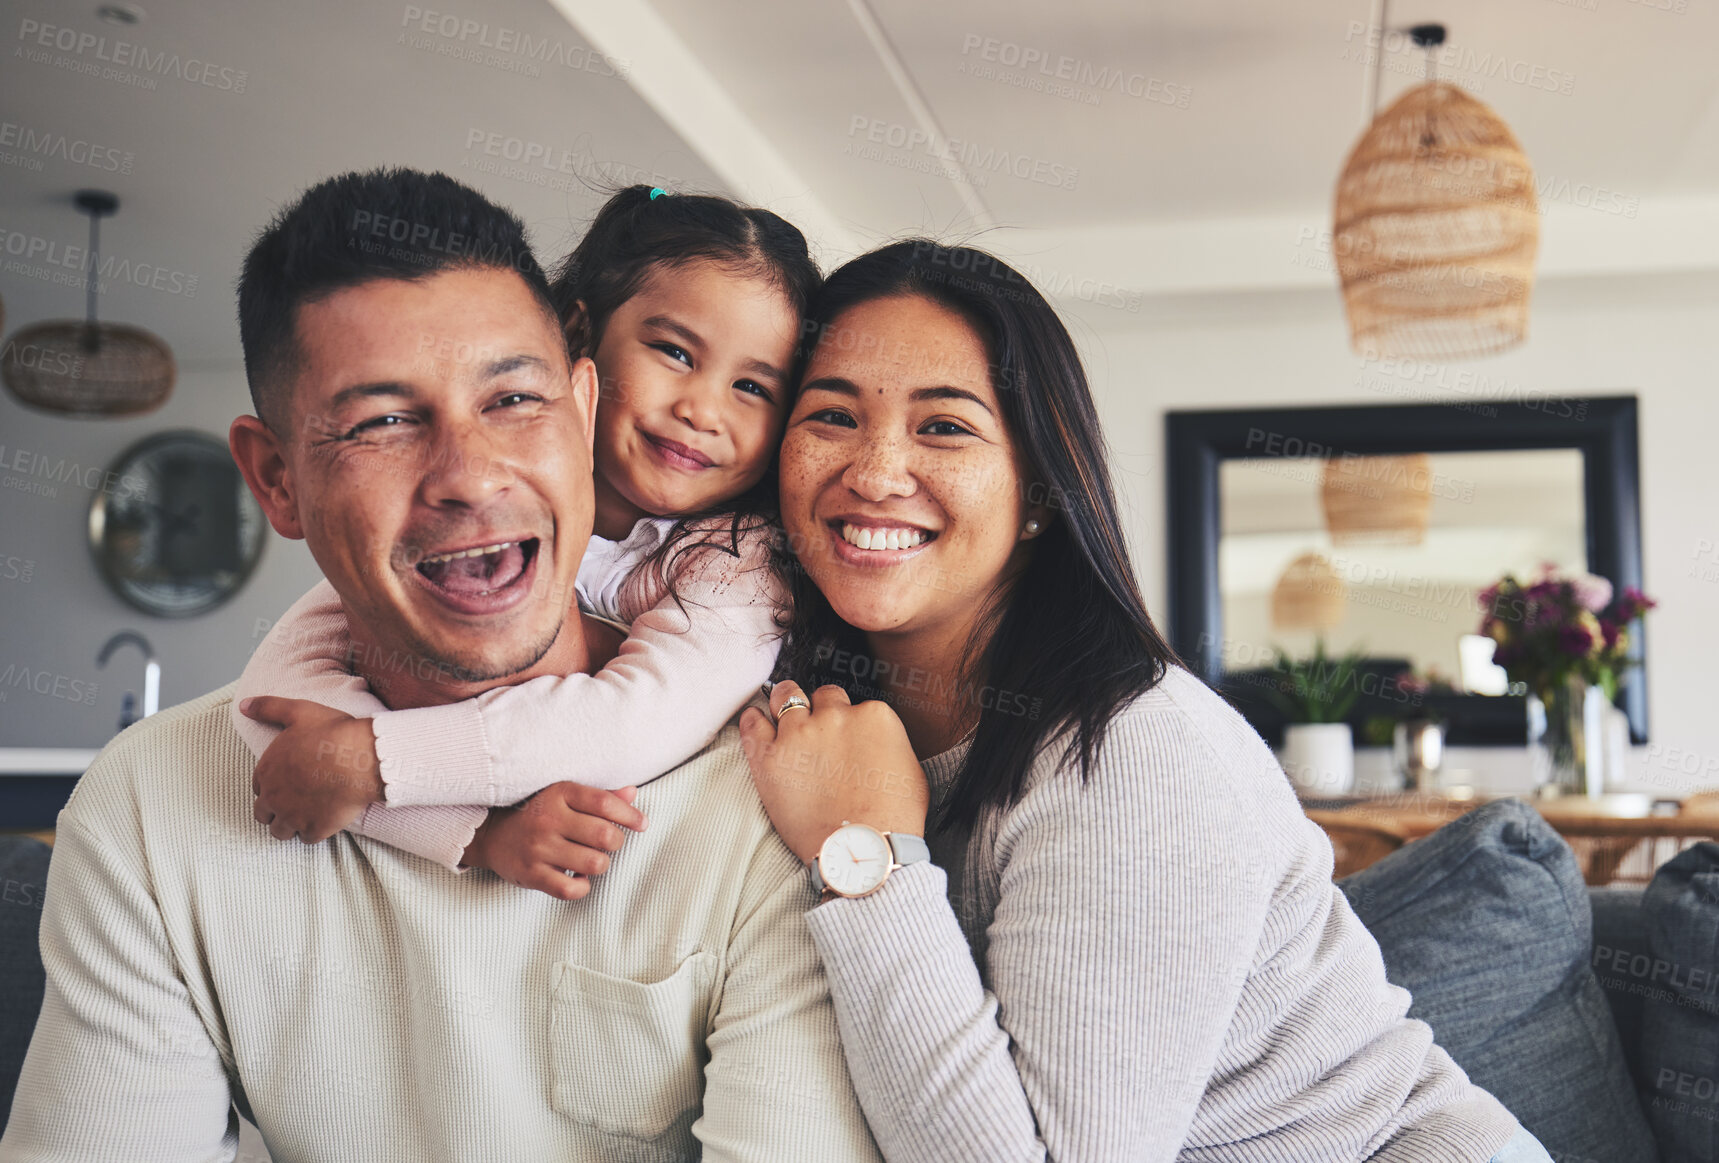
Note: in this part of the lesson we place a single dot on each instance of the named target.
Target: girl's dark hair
(1062, 648)
(636, 235)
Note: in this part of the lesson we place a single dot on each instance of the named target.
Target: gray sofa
(1590, 1013)
(23, 880)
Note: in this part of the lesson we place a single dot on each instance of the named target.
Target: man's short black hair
(382, 224)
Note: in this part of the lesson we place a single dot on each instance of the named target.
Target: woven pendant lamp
(1436, 226)
(1377, 500)
(1308, 596)
(86, 368)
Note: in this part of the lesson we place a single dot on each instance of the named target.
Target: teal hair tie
(657, 192)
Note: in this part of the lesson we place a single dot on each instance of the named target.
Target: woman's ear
(577, 328)
(262, 462)
(1037, 517)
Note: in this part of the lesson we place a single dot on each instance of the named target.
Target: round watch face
(855, 859)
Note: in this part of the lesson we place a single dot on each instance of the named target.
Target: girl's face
(693, 392)
(901, 487)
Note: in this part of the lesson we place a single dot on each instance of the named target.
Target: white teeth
(440, 557)
(869, 538)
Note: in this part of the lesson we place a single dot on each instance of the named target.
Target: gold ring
(790, 703)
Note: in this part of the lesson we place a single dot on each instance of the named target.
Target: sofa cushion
(1486, 923)
(23, 873)
(1680, 1017)
(1621, 951)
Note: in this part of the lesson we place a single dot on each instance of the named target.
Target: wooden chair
(1629, 851)
(1354, 845)
(1610, 849)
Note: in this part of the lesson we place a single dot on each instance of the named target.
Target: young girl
(689, 306)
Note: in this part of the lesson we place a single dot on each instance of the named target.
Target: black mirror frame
(1603, 428)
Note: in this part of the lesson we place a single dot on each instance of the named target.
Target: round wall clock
(174, 529)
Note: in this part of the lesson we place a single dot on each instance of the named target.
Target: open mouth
(480, 571)
(883, 537)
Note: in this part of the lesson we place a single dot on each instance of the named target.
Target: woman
(1139, 952)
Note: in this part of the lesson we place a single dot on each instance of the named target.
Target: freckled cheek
(965, 492)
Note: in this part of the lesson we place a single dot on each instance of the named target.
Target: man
(355, 1001)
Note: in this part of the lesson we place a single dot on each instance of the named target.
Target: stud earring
(1032, 528)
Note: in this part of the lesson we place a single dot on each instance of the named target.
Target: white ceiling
(329, 88)
(1225, 196)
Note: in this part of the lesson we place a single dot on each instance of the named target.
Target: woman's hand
(838, 762)
(318, 775)
(557, 840)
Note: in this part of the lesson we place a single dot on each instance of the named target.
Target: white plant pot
(1319, 758)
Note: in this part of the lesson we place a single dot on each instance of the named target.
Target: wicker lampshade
(1377, 500)
(1308, 596)
(1436, 229)
(83, 367)
(105, 369)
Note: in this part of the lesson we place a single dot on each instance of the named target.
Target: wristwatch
(856, 859)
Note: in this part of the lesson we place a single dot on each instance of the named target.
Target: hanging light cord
(91, 333)
(97, 204)
(1429, 37)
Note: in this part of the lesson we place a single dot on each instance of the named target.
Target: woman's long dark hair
(1071, 632)
(642, 230)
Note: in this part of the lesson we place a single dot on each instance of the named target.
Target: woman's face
(901, 487)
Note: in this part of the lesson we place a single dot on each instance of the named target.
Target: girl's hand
(835, 763)
(557, 840)
(318, 775)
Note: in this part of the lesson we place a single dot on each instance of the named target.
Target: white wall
(58, 619)
(1651, 337)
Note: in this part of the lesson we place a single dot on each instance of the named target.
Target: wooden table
(1616, 839)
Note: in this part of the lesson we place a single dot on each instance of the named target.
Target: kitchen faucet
(151, 672)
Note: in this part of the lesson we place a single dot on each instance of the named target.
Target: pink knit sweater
(444, 767)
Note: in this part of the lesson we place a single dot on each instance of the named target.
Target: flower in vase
(1561, 626)
(1592, 593)
(1632, 605)
(1581, 637)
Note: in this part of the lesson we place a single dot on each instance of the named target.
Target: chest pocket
(628, 1057)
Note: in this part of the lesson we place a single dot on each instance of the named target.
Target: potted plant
(1316, 693)
(1565, 637)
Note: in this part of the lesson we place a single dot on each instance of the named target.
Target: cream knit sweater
(360, 1003)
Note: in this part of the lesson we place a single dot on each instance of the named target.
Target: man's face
(440, 470)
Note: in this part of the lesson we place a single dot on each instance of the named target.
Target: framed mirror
(1373, 529)
(176, 532)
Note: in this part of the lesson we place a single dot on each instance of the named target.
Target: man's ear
(577, 330)
(257, 452)
(583, 382)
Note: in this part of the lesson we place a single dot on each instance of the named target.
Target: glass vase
(1566, 733)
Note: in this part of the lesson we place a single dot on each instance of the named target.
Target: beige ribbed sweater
(1155, 966)
(364, 1004)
